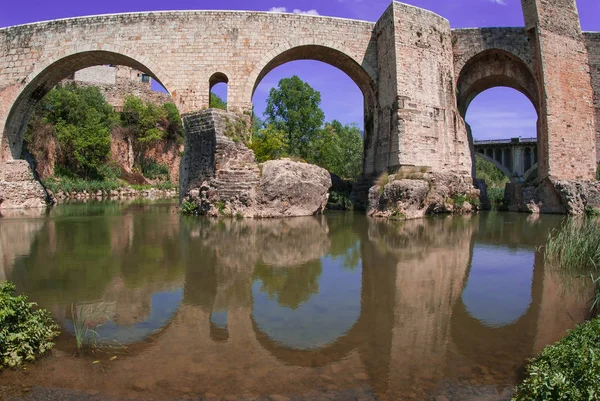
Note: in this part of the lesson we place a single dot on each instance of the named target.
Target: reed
(574, 248)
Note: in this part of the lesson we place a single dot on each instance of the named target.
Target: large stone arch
(492, 68)
(57, 67)
(329, 52)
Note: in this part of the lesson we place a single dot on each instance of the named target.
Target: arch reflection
(498, 289)
(309, 306)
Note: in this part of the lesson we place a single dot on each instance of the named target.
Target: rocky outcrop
(18, 187)
(412, 195)
(226, 180)
(559, 197)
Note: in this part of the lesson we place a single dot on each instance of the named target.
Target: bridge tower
(566, 131)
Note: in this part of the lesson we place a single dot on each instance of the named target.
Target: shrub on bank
(25, 332)
(567, 370)
(71, 185)
(496, 197)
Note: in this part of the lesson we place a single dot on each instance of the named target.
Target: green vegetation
(294, 127)
(575, 249)
(189, 208)
(492, 175)
(25, 331)
(73, 185)
(496, 197)
(71, 130)
(567, 370)
(216, 102)
(269, 144)
(146, 124)
(294, 108)
(339, 201)
(80, 120)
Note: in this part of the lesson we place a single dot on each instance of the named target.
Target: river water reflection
(330, 307)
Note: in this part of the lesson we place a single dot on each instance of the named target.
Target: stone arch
(333, 54)
(328, 52)
(492, 68)
(48, 74)
(502, 168)
(218, 78)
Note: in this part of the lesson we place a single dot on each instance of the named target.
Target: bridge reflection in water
(338, 306)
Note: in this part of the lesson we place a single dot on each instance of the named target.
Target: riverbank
(69, 189)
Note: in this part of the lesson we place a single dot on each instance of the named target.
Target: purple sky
(497, 113)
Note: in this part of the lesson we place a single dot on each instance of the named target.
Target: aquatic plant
(574, 248)
(84, 319)
(566, 370)
(26, 332)
(189, 207)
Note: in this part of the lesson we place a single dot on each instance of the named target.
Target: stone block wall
(567, 115)
(593, 46)
(417, 94)
(212, 158)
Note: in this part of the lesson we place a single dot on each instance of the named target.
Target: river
(333, 307)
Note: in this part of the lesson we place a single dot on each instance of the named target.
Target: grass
(85, 320)
(382, 181)
(574, 248)
(78, 185)
(71, 185)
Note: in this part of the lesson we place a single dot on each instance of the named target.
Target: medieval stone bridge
(416, 74)
(515, 157)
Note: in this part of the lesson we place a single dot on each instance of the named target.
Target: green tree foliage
(339, 149)
(492, 175)
(269, 144)
(216, 102)
(147, 123)
(25, 331)
(567, 370)
(82, 120)
(294, 108)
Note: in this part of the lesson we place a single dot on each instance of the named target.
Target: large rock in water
(412, 195)
(289, 188)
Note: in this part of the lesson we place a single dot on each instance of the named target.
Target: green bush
(496, 197)
(152, 170)
(25, 332)
(189, 208)
(568, 370)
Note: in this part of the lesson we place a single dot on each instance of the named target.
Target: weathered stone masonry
(416, 74)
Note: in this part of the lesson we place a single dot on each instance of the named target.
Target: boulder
(421, 194)
(289, 188)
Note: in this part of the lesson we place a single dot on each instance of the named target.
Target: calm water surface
(330, 307)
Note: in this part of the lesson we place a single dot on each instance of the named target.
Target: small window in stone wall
(218, 91)
(145, 78)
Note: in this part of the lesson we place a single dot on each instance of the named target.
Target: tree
(339, 149)
(294, 108)
(216, 102)
(269, 144)
(82, 120)
(147, 123)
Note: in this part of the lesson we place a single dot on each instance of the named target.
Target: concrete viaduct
(416, 74)
(515, 157)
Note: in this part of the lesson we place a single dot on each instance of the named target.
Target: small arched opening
(218, 84)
